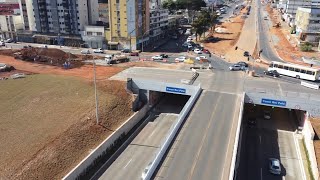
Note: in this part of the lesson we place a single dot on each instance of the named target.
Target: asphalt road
(268, 139)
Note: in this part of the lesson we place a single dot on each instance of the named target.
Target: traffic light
(236, 48)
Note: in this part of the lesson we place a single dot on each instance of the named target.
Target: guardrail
(172, 134)
(310, 85)
(90, 159)
(236, 141)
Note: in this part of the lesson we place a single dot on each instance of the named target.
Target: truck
(115, 59)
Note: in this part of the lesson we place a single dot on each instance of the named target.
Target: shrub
(306, 47)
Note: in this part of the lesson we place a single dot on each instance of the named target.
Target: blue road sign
(175, 90)
(273, 102)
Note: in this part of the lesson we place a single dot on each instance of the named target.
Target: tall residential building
(292, 6)
(10, 19)
(128, 24)
(308, 24)
(60, 16)
(158, 24)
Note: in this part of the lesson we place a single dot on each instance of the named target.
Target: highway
(269, 139)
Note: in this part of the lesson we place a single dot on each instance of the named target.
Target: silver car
(274, 166)
(236, 67)
(85, 51)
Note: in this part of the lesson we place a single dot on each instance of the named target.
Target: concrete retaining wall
(123, 129)
(173, 132)
(308, 135)
(237, 145)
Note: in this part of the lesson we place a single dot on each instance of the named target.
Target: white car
(201, 57)
(197, 51)
(181, 59)
(85, 51)
(98, 50)
(235, 67)
(157, 57)
(189, 46)
(274, 166)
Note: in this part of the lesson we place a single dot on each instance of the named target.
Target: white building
(9, 24)
(292, 6)
(94, 36)
(158, 24)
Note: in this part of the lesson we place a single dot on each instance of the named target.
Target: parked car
(157, 57)
(273, 73)
(236, 67)
(267, 115)
(8, 40)
(99, 50)
(197, 51)
(241, 63)
(246, 54)
(85, 51)
(201, 57)
(125, 51)
(134, 54)
(274, 166)
(181, 59)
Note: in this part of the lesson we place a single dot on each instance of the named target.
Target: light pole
(95, 89)
(143, 39)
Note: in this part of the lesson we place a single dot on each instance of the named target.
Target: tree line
(183, 4)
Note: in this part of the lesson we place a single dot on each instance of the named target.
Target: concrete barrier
(236, 141)
(308, 135)
(123, 129)
(172, 133)
(309, 85)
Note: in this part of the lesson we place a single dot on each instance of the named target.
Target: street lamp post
(95, 89)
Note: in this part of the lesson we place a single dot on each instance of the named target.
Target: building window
(99, 33)
(89, 33)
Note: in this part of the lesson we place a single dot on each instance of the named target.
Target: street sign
(273, 102)
(176, 90)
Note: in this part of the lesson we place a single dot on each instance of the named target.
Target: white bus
(294, 70)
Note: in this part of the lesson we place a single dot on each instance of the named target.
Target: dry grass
(48, 125)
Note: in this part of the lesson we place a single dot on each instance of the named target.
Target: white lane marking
(261, 174)
(260, 138)
(127, 164)
(281, 92)
(299, 157)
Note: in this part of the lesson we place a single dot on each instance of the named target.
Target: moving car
(274, 166)
(197, 51)
(8, 40)
(164, 55)
(157, 57)
(244, 64)
(99, 50)
(85, 51)
(273, 73)
(246, 54)
(267, 115)
(180, 59)
(125, 51)
(236, 67)
(201, 57)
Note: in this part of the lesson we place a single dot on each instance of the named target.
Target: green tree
(170, 5)
(202, 23)
(306, 47)
(190, 4)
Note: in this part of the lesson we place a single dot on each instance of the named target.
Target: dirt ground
(225, 41)
(288, 51)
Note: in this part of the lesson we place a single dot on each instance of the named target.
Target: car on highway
(125, 51)
(252, 122)
(246, 54)
(273, 73)
(236, 67)
(181, 59)
(157, 57)
(267, 115)
(197, 51)
(99, 50)
(274, 166)
(164, 55)
(85, 51)
(244, 64)
(201, 57)
(134, 54)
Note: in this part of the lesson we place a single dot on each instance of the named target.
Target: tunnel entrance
(269, 132)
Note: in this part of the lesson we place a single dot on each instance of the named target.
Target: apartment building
(158, 24)
(128, 24)
(308, 24)
(10, 19)
(103, 12)
(292, 6)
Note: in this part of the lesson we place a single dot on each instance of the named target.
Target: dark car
(125, 51)
(241, 63)
(273, 73)
(246, 54)
(134, 54)
(164, 55)
(252, 122)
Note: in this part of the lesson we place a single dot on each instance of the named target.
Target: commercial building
(94, 37)
(308, 25)
(293, 5)
(128, 24)
(10, 19)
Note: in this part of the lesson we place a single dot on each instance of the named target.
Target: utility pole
(95, 89)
